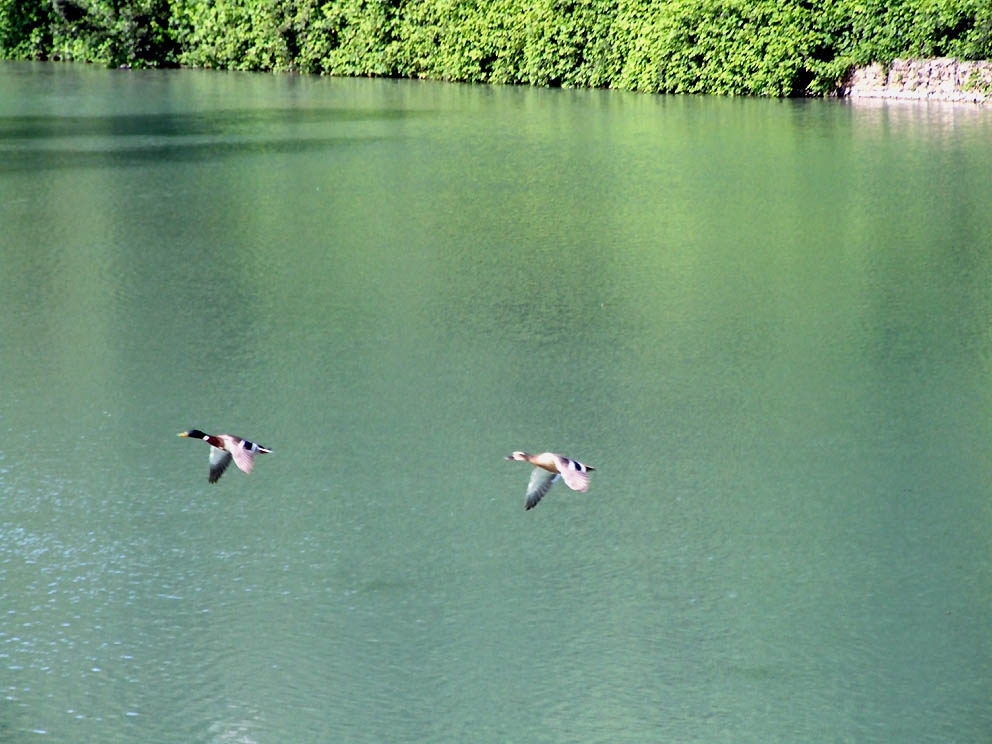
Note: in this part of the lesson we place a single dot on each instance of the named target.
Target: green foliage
(365, 32)
(953, 29)
(231, 34)
(719, 46)
(24, 29)
(735, 47)
(114, 32)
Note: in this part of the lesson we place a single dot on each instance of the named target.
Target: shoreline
(932, 79)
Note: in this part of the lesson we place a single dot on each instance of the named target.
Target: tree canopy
(747, 47)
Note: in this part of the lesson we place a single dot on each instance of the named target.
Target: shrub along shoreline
(732, 47)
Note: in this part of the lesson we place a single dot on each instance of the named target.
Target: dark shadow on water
(34, 159)
(186, 124)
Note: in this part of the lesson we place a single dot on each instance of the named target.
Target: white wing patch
(219, 460)
(540, 482)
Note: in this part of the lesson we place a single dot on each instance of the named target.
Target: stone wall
(941, 79)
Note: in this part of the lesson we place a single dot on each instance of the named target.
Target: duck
(549, 467)
(224, 448)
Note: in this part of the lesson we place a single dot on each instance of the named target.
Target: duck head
(194, 433)
(516, 456)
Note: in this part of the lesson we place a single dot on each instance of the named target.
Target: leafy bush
(25, 29)
(756, 47)
(114, 32)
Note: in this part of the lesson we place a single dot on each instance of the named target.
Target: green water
(766, 323)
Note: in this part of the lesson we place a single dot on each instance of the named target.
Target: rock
(939, 79)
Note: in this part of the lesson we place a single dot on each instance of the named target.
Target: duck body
(227, 447)
(549, 467)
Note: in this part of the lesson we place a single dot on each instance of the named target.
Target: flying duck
(223, 447)
(549, 467)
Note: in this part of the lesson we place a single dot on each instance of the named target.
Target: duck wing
(574, 473)
(219, 460)
(540, 482)
(244, 457)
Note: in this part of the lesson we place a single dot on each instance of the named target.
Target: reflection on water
(34, 160)
(932, 119)
(118, 140)
(185, 124)
(764, 322)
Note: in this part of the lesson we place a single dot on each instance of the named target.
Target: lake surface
(766, 323)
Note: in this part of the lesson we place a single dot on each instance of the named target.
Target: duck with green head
(224, 448)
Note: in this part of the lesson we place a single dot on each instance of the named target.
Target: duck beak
(183, 434)
(508, 457)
